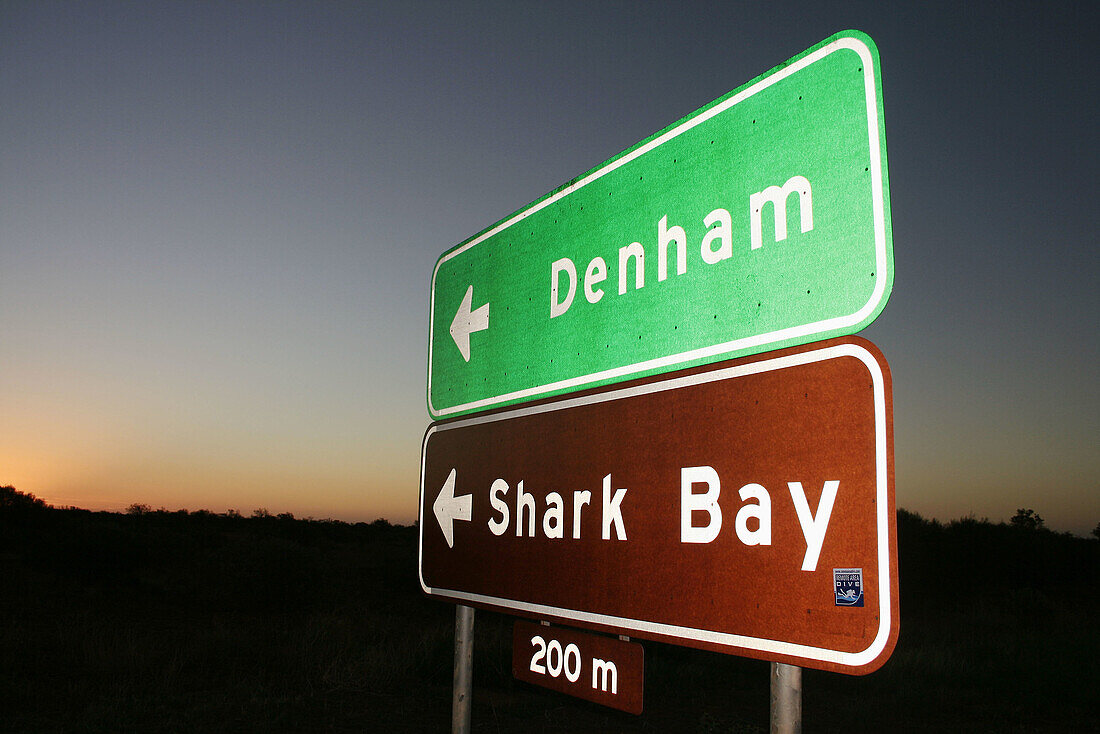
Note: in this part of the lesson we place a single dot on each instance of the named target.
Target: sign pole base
(786, 699)
(464, 669)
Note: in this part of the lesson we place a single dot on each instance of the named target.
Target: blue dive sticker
(848, 585)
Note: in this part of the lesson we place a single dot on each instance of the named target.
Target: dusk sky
(218, 224)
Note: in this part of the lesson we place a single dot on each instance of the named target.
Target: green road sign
(760, 221)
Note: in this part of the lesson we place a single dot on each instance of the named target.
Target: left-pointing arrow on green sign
(467, 321)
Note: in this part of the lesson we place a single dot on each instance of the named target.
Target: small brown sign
(745, 507)
(604, 670)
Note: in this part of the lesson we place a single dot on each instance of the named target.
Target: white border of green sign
(800, 334)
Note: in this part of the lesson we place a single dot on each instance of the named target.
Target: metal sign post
(464, 669)
(786, 699)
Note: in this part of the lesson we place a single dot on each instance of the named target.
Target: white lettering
(536, 666)
(572, 672)
(665, 236)
(778, 198)
(525, 502)
(716, 245)
(762, 511)
(605, 674)
(565, 265)
(612, 510)
(633, 251)
(580, 499)
(498, 526)
(596, 273)
(723, 232)
(554, 511)
(706, 502)
(813, 527)
(528, 505)
(554, 669)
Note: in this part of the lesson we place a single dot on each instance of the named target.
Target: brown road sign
(745, 507)
(604, 670)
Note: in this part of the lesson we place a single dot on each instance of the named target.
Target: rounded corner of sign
(870, 311)
(875, 656)
(864, 350)
(856, 35)
(867, 668)
(433, 413)
(857, 41)
(428, 433)
(439, 264)
(420, 577)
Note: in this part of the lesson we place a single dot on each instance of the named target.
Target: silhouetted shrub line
(151, 620)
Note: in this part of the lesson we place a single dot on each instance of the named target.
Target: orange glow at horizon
(353, 493)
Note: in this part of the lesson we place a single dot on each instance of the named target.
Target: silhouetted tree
(12, 499)
(1096, 531)
(260, 513)
(1027, 519)
(138, 509)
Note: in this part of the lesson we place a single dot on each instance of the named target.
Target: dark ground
(177, 622)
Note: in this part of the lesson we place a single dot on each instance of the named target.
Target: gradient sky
(218, 223)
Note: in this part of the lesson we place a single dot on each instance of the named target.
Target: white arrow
(467, 322)
(448, 508)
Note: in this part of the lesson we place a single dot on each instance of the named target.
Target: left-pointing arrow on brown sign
(448, 508)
